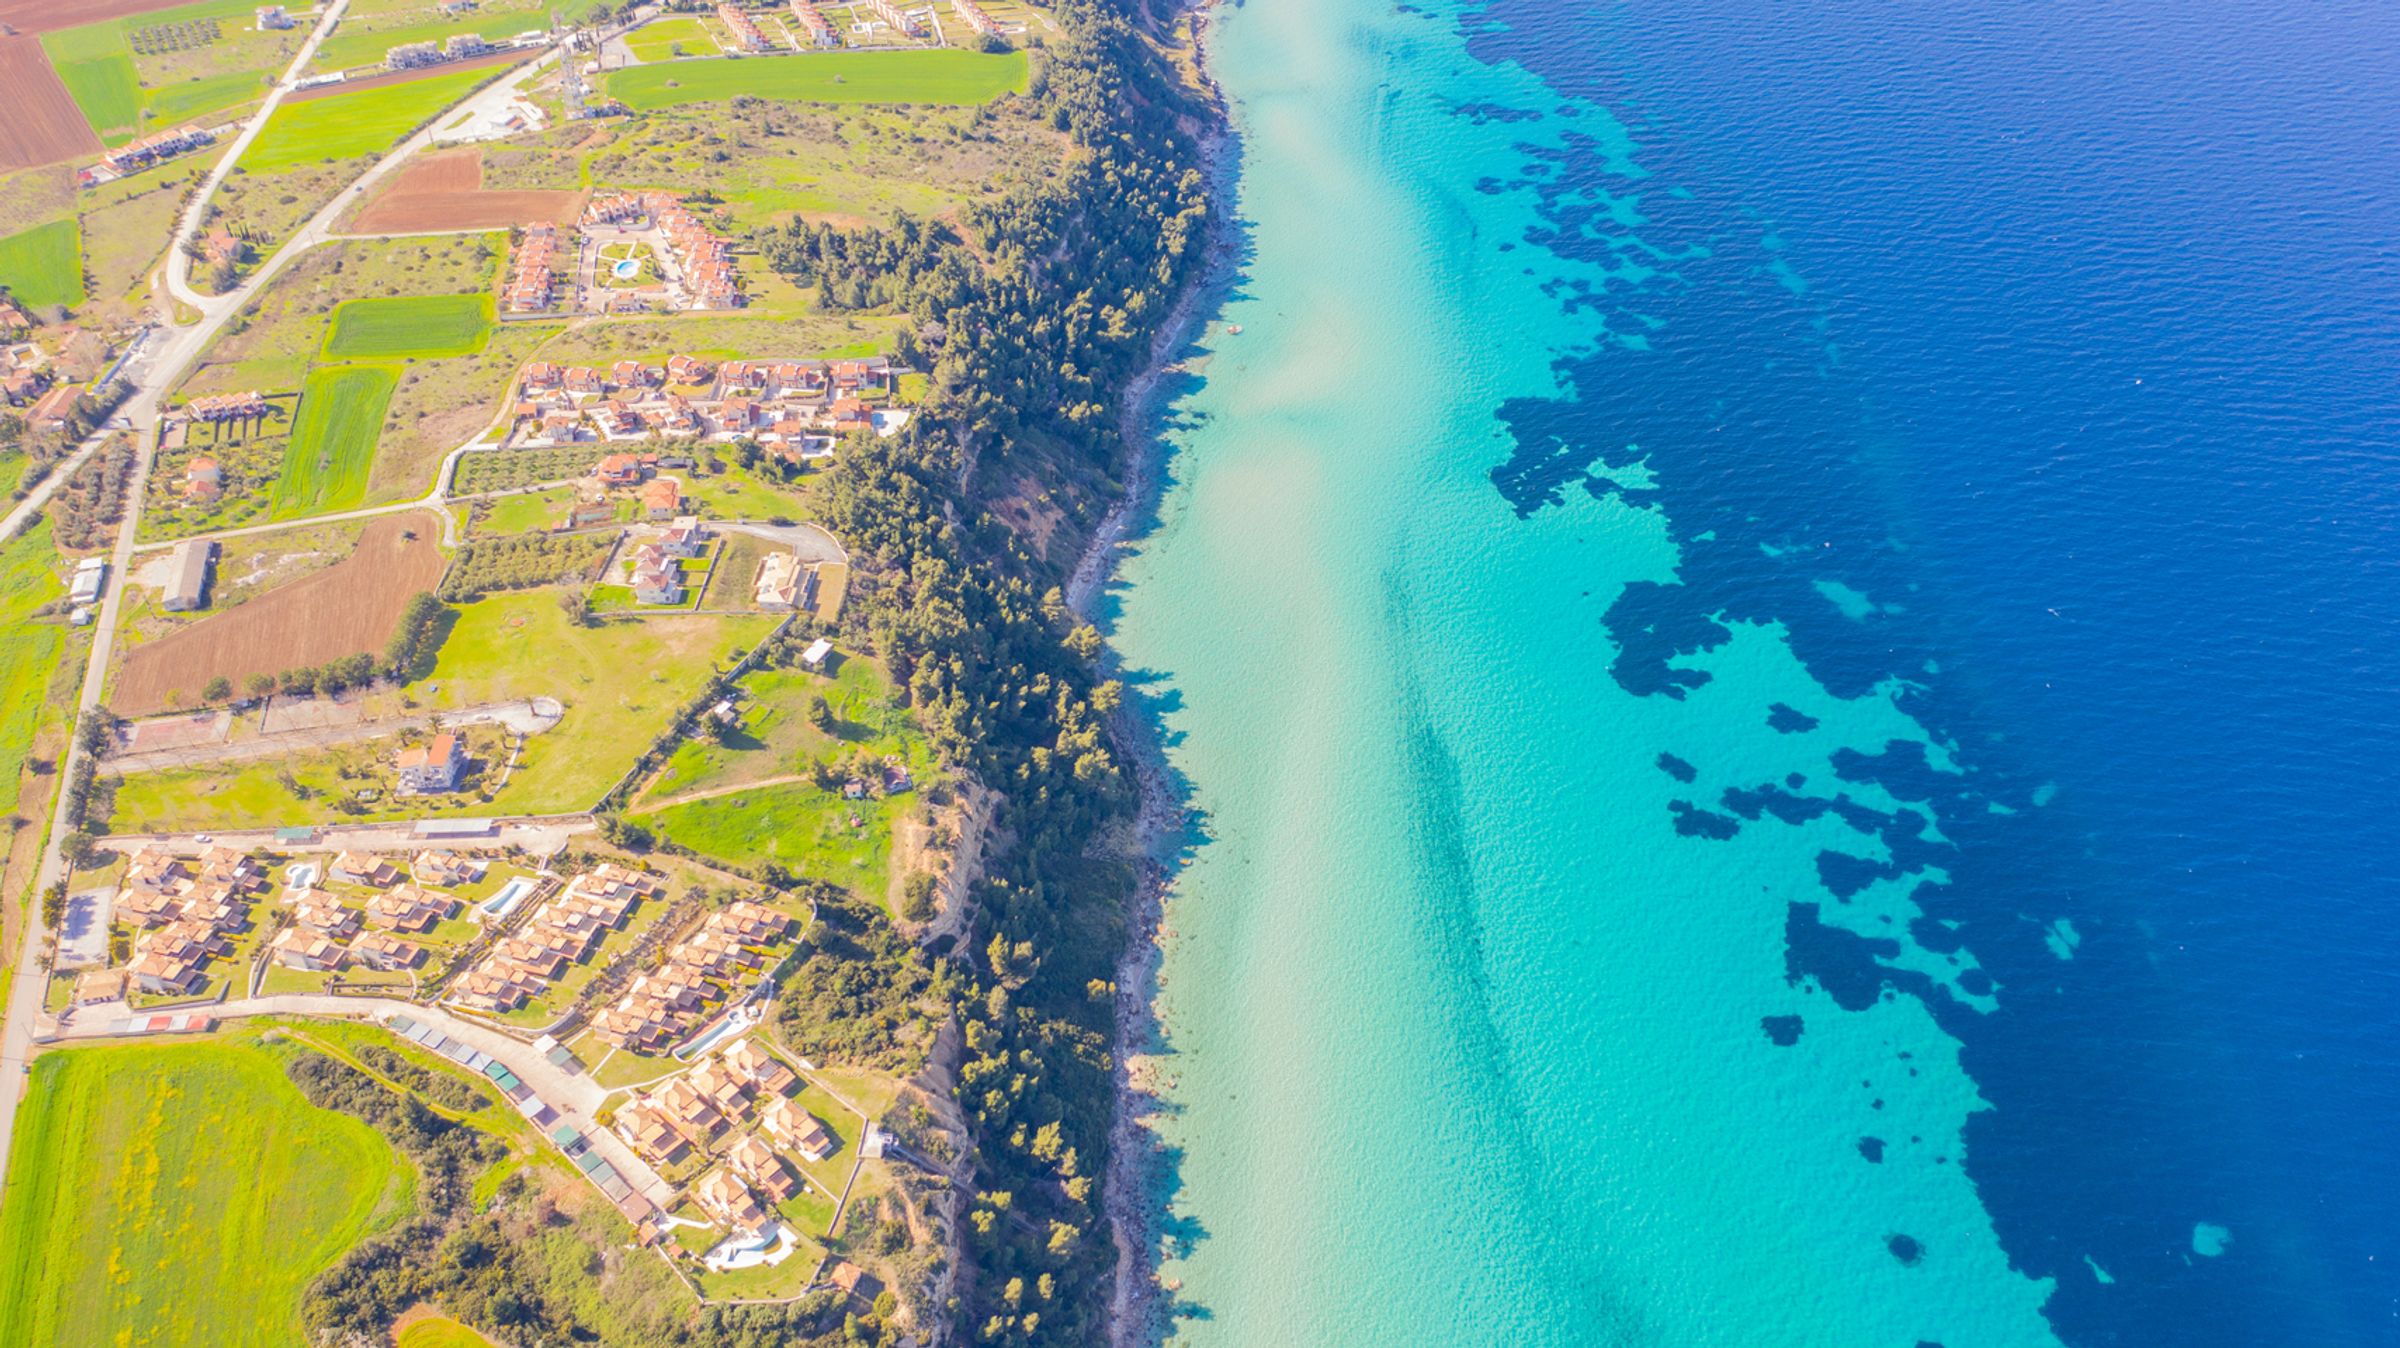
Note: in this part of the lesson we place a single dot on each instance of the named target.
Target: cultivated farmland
(97, 68)
(42, 16)
(931, 76)
(44, 265)
(348, 608)
(179, 1193)
(445, 192)
(354, 122)
(333, 440)
(43, 125)
(419, 327)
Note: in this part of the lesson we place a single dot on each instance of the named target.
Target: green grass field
(97, 68)
(441, 1333)
(29, 650)
(657, 40)
(187, 100)
(333, 440)
(44, 265)
(930, 76)
(621, 681)
(421, 327)
(179, 1194)
(368, 121)
(796, 825)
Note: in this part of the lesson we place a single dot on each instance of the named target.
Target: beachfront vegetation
(411, 327)
(946, 76)
(180, 1193)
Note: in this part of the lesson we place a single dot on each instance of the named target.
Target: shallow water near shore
(1630, 900)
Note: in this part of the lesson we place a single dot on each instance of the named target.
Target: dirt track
(350, 607)
(444, 192)
(42, 124)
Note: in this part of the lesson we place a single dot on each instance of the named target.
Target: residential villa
(300, 948)
(900, 19)
(813, 21)
(758, 1163)
(364, 868)
(433, 766)
(564, 931)
(410, 909)
(382, 950)
(743, 28)
(134, 156)
(324, 913)
(975, 18)
(798, 1129)
(728, 1200)
(445, 869)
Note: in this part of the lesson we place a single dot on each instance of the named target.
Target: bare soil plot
(343, 610)
(444, 192)
(42, 125)
(41, 16)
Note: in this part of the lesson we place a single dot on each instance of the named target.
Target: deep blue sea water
(1723, 508)
(2086, 370)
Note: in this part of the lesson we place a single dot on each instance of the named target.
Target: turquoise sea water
(1470, 1042)
(1782, 629)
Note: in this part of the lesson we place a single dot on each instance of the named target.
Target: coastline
(1131, 1191)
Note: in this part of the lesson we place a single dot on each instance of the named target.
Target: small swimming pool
(628, 269)
(509, 896)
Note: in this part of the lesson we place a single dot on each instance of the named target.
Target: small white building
(814, 657)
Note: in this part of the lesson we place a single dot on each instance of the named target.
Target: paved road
(575, 1096)
(179, 264)
(540, 836)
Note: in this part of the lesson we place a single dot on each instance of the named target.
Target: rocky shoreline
(1132, 1192)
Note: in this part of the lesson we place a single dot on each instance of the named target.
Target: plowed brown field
(349, 607)
(444, 192)
(41, 16)
(41, 124)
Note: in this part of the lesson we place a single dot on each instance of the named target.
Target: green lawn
(796, 825)
(441, 1333)
(621, 682)
(187, 100)
(527, 513)
(29, 650)
(367, 121)
(179, 1194)
(655, 41)
(409, 326)
(44, 265)
(776, 738)
(929, 76)
(333, 440)
(97, 68)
